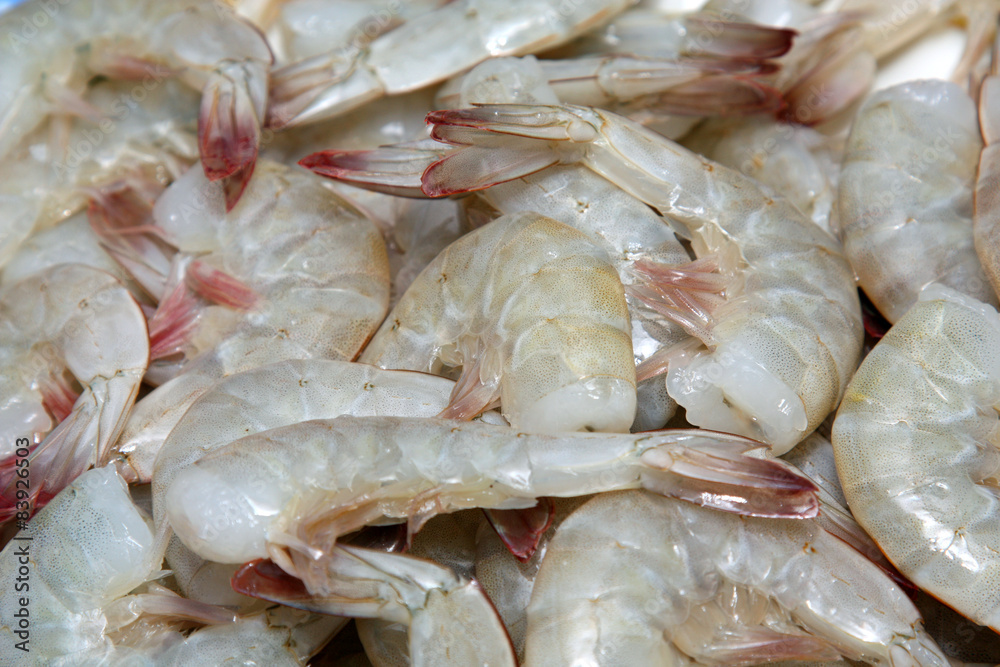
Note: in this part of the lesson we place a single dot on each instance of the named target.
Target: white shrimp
(426, 50)
(689, 87)
(242, 300)
(635, 579)
(623, 226)
(205, 44)
(73, 348)
(260, 399)
(300, 29)
(916, 446)
(778, 352)
(78, 560)
(986, 222)
(146, 136)
(906, 195)
(509, 581)
(536, 317)
(302, 486)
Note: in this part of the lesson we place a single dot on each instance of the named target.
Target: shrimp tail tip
(687, 294)
(219, 287)
(473, 168)
(229, 128)
(390, 170)
(522, 529)
(720, 476)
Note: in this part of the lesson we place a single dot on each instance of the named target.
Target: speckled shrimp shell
(916, 447)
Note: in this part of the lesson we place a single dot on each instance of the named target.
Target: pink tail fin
(229, 124)
(394, 170)
(122, 217)
(713, 471)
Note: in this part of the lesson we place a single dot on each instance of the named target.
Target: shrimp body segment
(205, 44)
(534, 313)
(906, 195)
(778, 353)
(916, 447)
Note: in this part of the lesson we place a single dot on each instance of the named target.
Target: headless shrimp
(74, 348)
(255, 498)
(204, 43)
(426, 50)
(906, 195)
(916, 449)
(635, 579)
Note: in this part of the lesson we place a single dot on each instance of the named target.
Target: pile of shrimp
(456, 333)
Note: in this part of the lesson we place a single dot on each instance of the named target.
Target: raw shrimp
(292, 272)
(509, 581)
(74, 348)
(451, 621)
(260, 399)
(906, 195)
(310, 268)
(302, 486)
(427, 50)
(300, 29)
(635, 579)
(690, 87)
(986, 227)
(777, 354)
(205, 44)
(649, 31)
(146, 137)
(916, 447)
(536, 317)
(448, 540)
(829, 65)
(85, 552)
